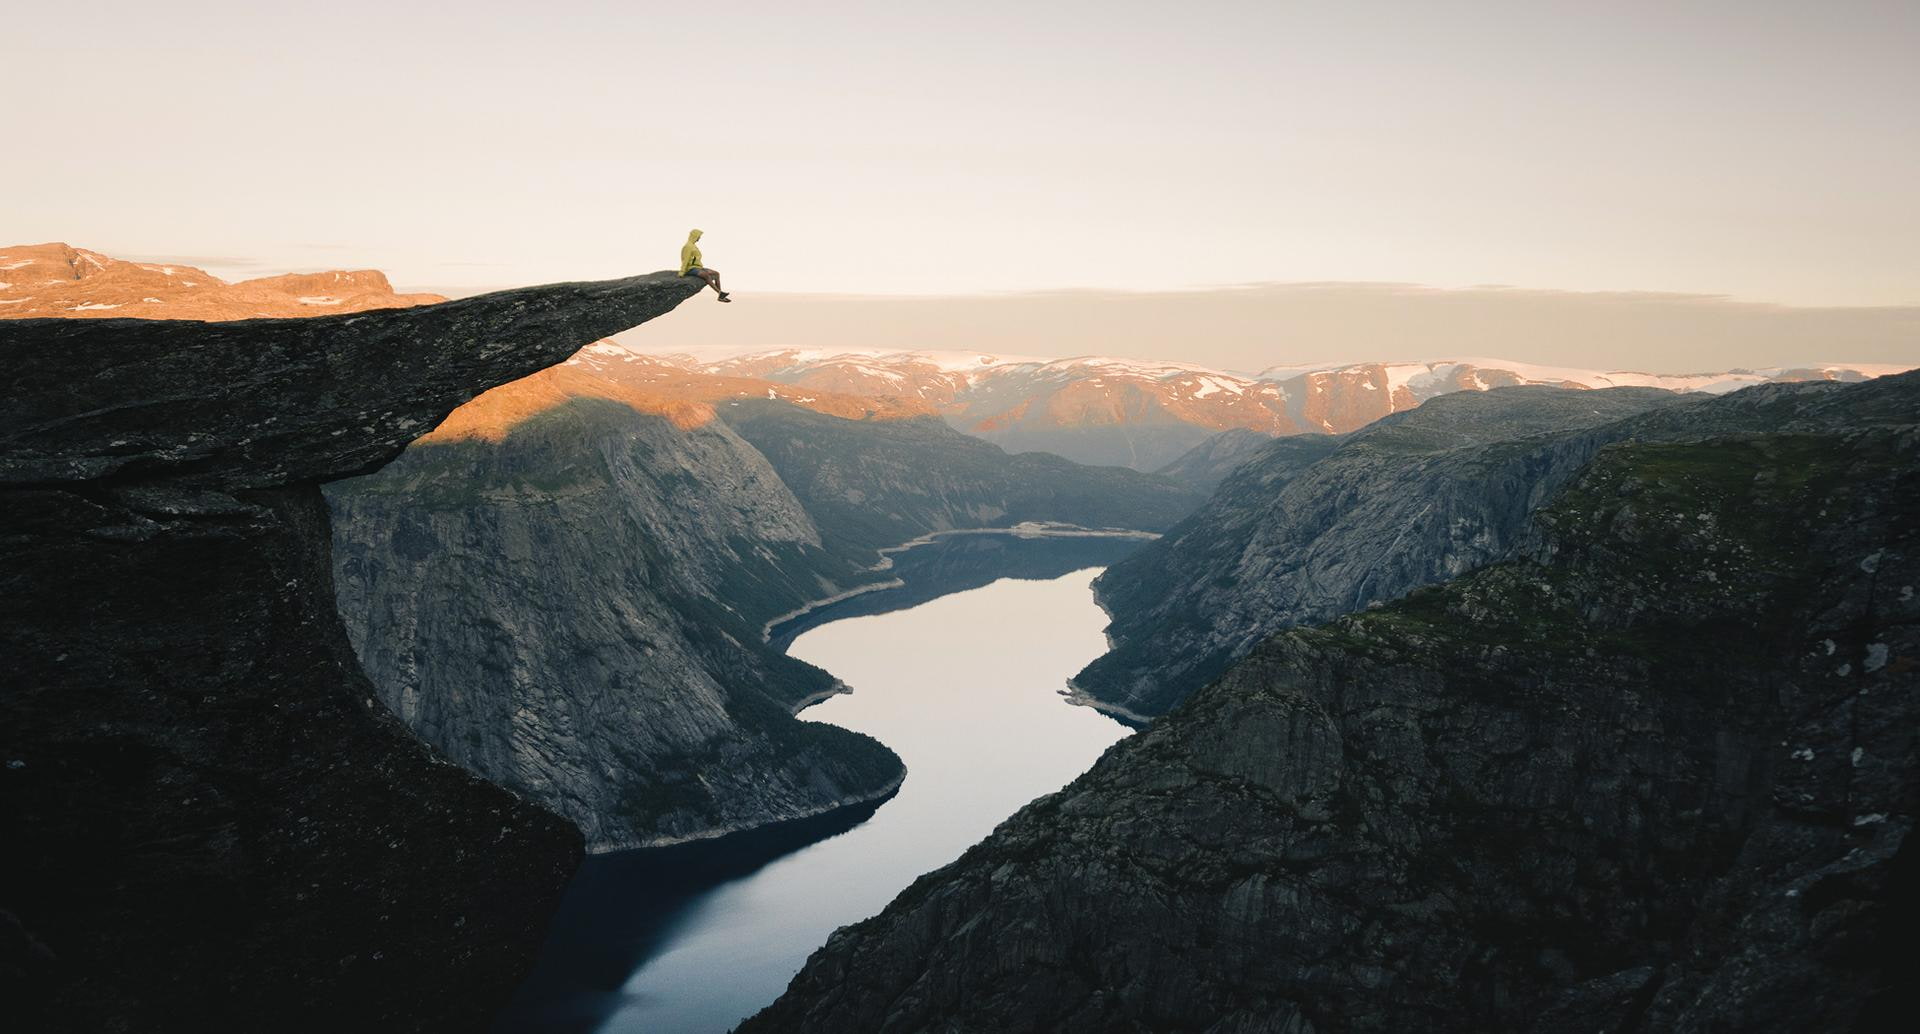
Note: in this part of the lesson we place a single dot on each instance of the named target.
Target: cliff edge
(211, 822)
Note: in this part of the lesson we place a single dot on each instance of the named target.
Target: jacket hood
(692, 235)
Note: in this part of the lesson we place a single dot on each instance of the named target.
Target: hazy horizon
(1253, 327)
(1739, 171)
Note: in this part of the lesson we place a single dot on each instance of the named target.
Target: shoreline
(766, 630)
(877, 797)
(1078, 697)
(837, 689)
(1023, 530)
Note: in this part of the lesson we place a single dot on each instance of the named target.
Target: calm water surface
(965, 688)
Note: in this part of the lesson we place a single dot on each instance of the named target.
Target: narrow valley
(960, 672)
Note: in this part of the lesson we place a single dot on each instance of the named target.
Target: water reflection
(622, 908)
(963, 685)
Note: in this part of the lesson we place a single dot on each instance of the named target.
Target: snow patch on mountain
(1427, 378)
(1213, 385)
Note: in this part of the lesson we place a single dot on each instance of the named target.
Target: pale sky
(1763, 151)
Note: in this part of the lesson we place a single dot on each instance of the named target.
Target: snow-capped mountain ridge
(893, 365)
(1425, 373)
(1142, 412)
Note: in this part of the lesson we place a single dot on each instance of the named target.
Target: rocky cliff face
(1203, 467)
(1655, 772)
(211, 822)
(574, 611)
(1312, 528)
(1294, 537)
(566, 587)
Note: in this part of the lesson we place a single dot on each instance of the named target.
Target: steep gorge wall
(1300, 534)
(1655, 772)
(1312, 528)
(573, 611)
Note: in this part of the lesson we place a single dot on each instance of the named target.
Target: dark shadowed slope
(1303, 532)
(210, 823)
(1293, 537)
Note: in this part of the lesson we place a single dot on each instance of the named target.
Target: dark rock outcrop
(210, 823)
(575, 611)
(1305, 531)
(1654, 772)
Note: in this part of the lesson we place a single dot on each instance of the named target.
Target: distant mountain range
(74, 283)
(1145, 414)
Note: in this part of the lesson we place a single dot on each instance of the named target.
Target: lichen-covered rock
(211, 824)
(1656, 771)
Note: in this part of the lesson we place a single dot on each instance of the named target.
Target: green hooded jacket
(689, 252)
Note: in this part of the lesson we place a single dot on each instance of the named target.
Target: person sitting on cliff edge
(690, 265)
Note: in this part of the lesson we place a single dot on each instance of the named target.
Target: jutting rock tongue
(260, 403)
(211, 825)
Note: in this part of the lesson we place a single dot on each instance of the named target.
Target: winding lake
(964, 685)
